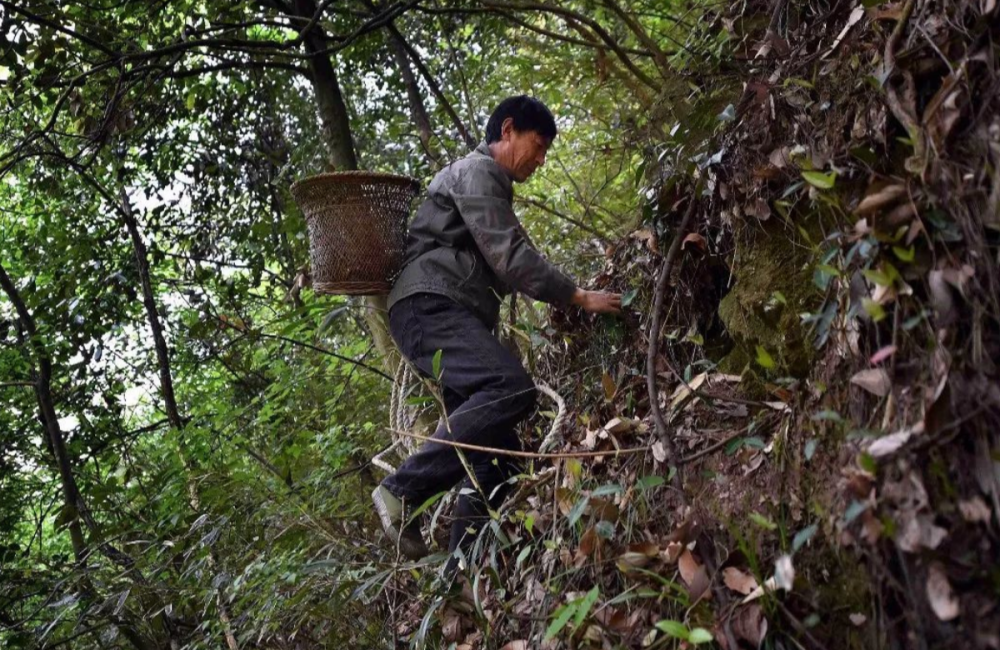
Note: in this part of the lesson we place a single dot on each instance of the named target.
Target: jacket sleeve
(484, 204)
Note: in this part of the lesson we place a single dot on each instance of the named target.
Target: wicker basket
(357, 229)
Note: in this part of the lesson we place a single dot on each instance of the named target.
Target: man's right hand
(598, 302)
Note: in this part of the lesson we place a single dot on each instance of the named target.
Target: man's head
(519, 133)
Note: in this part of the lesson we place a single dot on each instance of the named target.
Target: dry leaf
(647, 236)
(516, 645)
(748, 624)
(975, 510)
(451, 625)
(694, 575)
(852, 20)
(742, 583)
(659, 451)
(879, 200)
(588, 544)
(858, 619)
(637, 556)
(694, 239)
(672, 552)
(919, 531)
(940, 594)
(882, 354)
(874, 380)
(784, 573)
(941, 299)
(619, 426)
(889, 444)
(609, 386)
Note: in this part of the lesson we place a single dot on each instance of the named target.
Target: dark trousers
(486, 393)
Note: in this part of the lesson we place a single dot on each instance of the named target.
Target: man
(466, 250)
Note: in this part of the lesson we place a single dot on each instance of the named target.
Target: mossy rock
(773, 285)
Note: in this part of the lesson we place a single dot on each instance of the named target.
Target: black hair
(528, 113)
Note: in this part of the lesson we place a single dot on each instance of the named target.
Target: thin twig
(654, 335)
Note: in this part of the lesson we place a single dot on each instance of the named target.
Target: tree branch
(435, 88)
(608, 40)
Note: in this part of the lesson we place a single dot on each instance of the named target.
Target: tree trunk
(329, 101)
(337, 136)
(76, 508)
(167, 389)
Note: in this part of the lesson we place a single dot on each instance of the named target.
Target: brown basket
(357, 229)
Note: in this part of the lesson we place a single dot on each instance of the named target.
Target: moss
(768, 265)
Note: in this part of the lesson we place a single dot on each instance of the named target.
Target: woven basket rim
(356, 177)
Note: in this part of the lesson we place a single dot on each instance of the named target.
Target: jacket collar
(484, 149)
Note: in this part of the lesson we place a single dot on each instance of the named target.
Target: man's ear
(507, 128)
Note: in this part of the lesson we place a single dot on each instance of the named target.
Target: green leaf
(584, 607)
(764, 358)
(604, 490)
(629, 296)
(425, 505)
(905, 254)
(577, 511)
(878, 277)
(873, 309)
(563, 614)
(700, 635)
(802, 537)
(820, 180)
(810, 449)
(854, 511)
(649, 482)
(436, 364)
(763, 521)
(827, 415)
(675, 629)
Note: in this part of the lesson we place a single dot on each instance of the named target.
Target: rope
(525, 454)
(557, 424)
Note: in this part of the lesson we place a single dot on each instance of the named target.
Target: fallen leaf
(874, 380)
(940, 594)
(918, 532)
(694, 575)
(516, 645)
(856, 15)
(694, 239)
(451, 625)
(882, 354)
(588, 543)
(784, 573)
(609, 386)
(941, 300)
(780, 157)
(889, 444)
(858, 619)
(673, 551)
(742, 583)
(748, 624)
(659, 452)
(647, 236)
(623, 425)
(890, 12)
(878, 200)
(637, 556)
(974, 510)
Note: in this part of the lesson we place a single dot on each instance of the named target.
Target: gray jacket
(465, 242)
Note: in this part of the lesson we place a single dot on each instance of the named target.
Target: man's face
(527, 151)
